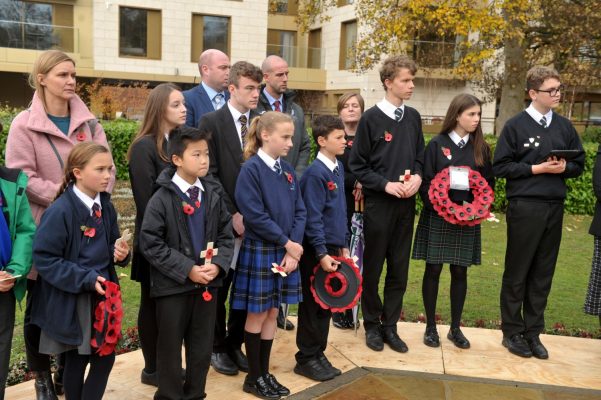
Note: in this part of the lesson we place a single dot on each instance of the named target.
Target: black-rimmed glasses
(552, 92)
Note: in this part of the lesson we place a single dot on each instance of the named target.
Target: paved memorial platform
(486, 371)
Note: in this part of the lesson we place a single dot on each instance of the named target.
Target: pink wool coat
(27, 148)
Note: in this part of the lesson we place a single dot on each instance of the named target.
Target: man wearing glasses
(536, 190)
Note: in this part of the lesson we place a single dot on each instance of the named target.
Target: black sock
(458, 292)
(265, 355)
(252, 342)
(430, 291)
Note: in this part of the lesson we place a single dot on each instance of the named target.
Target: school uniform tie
(461, 144)
(96, 213)
(276, 106)
(193, 192)
(243, 128)
(336, 170)
(398, 114)
(543, 121)
(277, 167)
(218, 101)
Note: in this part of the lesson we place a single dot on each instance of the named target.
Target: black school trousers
(533, 239)
(388, 230)
(184, 319)
(231, 336)
(313, 321)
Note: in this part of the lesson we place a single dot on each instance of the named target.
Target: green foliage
(120, 133)
(592, 134)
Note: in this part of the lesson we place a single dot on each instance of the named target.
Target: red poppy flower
(89, 232)
(209, 254)
(207, 296)
(349, 143)
(197, 203)
(387, 136)
(188, 209)
(332, 186)
(289, 177)
(446, 151)
(81, 136)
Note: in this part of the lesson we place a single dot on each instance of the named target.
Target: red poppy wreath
(107, 320)
(467, 213)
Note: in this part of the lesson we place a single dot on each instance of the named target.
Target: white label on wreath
(460, 178)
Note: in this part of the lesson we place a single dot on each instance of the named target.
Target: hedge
(580, 198)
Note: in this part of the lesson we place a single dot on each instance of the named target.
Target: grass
(484, 281)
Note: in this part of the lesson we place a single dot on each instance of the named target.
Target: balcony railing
(25, 35)
(298, 57)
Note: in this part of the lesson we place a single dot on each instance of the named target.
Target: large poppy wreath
(107, 320)
(467, 213)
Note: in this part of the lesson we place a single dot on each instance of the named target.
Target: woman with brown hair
(460, 143)
(164, 111)
(39, 142)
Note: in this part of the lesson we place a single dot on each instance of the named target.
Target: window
(314, 50)
(286, 7)
(139, 33)
(283, 44)
(209, 32)
(36, 26)
(342, 3)
(348, 39)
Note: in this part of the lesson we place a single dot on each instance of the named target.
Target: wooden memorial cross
(406, 177)
(208, 253)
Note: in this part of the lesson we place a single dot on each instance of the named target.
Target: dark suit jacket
(596, 224)
(225, 151)
(198, 103)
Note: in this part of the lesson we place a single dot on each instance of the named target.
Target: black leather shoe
(239, 358)
(327, 364)
(282, 323)
(313, 369)
(223, 364)
(537, 348)
(373, 339)
(149, 378)
(394, 341)
(456, 336)
(275, 385)
(517, 345)
(431, 337)
(339, 321)
(260, 388)
(44, 388)
(58, 382)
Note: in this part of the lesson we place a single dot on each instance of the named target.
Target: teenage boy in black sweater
(388, 142)
(536, 191)
(185, 214)
(326, 235)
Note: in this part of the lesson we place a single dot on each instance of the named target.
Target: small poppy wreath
(387, 136)
(470, 214)
(332, 186)
(81, 136)
(108, 315)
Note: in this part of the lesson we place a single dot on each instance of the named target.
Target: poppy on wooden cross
(208, 253)
(406, 177)
(277, 269)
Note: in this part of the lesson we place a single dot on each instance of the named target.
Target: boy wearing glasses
(536, 190)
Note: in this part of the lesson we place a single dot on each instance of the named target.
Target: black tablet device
(565, 154)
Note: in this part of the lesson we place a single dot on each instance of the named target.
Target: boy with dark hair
(389, 142)
(186, 214)
(536, 190)
(326, 234)
(229, 126)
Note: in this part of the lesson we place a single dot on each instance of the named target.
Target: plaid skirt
(592, 304)
(255, 287)
(440, 242)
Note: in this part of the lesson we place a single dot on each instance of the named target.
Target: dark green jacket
(21, 225)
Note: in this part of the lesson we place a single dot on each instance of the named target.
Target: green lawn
(484, 281)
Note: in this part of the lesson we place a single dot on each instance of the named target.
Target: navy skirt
(255, 288)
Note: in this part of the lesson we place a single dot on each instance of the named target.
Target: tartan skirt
(440, 242)
(592, 303)
(255, 288)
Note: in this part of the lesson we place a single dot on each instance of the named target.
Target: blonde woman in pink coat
(39, 142)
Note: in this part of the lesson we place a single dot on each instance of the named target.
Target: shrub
(592, 134)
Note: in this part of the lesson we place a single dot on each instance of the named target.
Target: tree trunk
(514, 82)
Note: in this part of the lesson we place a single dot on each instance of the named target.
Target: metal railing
(298, 57)
(32, 36)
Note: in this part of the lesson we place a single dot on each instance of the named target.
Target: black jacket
(596, 224)
(225, 152)
(165, 239)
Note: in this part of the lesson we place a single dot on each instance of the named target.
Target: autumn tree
(494, 41)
